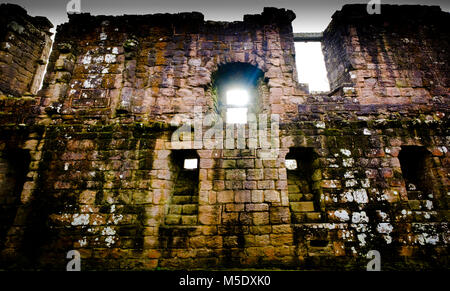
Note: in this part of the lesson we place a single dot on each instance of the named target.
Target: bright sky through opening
(291, 164)
(190, 164)
(311, 66)
(237, 97)
(237, 115)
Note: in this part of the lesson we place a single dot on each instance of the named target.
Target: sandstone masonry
(87, 163)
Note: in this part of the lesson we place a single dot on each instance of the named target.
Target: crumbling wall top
(10, 11)
(358, 12)
(193, 22)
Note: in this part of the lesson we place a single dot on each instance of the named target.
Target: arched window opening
(236, 87)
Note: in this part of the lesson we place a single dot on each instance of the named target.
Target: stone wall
(103, 67)
(105, 177)
(398, 57)
(24, 49)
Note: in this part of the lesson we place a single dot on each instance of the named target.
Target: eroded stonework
(88, 163)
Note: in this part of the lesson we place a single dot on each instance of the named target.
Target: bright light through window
(190, 164)
(237, 115)
(291, 164)
(311, 66)
(237, 97)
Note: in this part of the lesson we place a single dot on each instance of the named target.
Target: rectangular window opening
(416, 164)
(303, 185)
(311, 66)
(190, 164)
(291, 164)
(183, 204)
(14, 165)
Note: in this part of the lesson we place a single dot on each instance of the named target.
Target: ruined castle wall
(24, 49)
(115, 184)
(398, 57)
(105, 179)
(104, 66)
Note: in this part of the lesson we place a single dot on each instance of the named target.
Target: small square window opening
(291, 164)
(190, 164)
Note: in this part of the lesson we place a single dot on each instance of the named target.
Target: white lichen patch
(387, 238)
(346, 234)
(80, 219)
(383, 216)
(92, 83)
(360, 196)
(367, 132)
(109, 241)
(406, 213)
(349, 175)
(351, 183)
(116, 218)
(382, 197)
(66, 166)
(346, 152)
(432, 239)
(88, 208)
(103, 36)
(360, 227)
(360, 217)
(425, 238)
(320, 124)
(342, 215)
(429, 204)
(348, 162)
(110, 58)
(87, 59)
(443, 149)
(385, 228)
(108, 231)
(348, 196)
(82, 242)
(115, 50)
(362, 239)
(98, 59)
(411, 187)
(365, 183)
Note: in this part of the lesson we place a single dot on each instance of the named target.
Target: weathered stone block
(302, 206)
